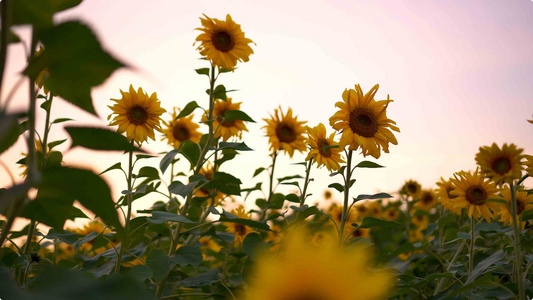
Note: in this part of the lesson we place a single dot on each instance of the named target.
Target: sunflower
(93, 226)
(239, 230)
(427, 200)
(179, 130)
(445, 196)
(411, 188)
(363, 122)
(335, 211)
(304, 270)
(473, 191)
(529, 165)
(327, 195)
(391, 214)
(223, 42)
(225, 129)
(501, 165)
(361, 210)
(374, 208)
(137, 114)
(524, 201)
(208, 172)
(322, 148)
(285, 132)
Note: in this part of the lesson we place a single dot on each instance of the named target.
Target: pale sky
(459, 72)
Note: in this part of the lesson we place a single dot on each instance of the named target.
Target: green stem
(306, 183)
(347, 180)
(47, 130)
(408, 218)
(443, 280)
(6, 30)
(262, 216)
(471, 251)
(517, 263)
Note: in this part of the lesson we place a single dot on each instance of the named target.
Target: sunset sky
(459, 72)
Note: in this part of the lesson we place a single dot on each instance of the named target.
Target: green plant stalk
(47, 130)
(517, 263)
(306, 184)
(347, 179)
(471, 251)
(270, 187)
(6, 29)
(129, 198)
(408, 217)
(443, 280)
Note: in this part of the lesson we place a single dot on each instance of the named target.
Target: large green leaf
(159, 217)
(188, 255)
(9, 131)
(99, 139)
(160, 264)
(369, 222)
(75, 62)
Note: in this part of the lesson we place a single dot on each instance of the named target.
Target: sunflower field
(208, 235)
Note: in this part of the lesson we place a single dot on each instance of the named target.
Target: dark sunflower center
(357, 233)
(361, 209)
(501, 165)
(476, 195)
(327, 195)
(285, 133)
(520, 206)
(363, 122)
(222, 41)
(137, 115)
(324, 151)
(427, 198)
(181, 133)
(307, 295)
(240, 229)
(450, 195)
(412, 188)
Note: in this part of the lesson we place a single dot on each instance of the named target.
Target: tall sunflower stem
(262, 216)
(47, 129)
(129, 198)
(306, 184)
(408, 218)
(517, 263)
(347, 180)
(471, 250)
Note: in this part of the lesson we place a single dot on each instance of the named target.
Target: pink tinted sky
(459, 72)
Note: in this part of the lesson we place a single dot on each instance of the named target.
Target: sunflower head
(391, 214)
(223, 42)
(179, 130)
(137, 114)
(239, 230)
(501, 165)
(226, 129)
(411, 188)
(524, 201)
(285, 132)
(426, 200)
(323, 149)
(363, 122)
(445, 197)
(529, 165)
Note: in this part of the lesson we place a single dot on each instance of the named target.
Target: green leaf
(258, 171)
(526, 215)
(202, 279)
(12, 38)
(203, 71)
(226, 183)
(37, 13)
(116, 166)
(227, 155)
(149, 172)
(368, 164)
(9, 131)
(160, 264)
(337, 186)
(99, 139)
(191, 151)
(253, 243)
(77, 213)
(289, 178)
(222, 70)
(483, 265)
(219, 92)
(61, 120)
(237, 146)
(89, 237)
(51, 145)
(188, 255)
(375, 196)
(232, 115)
(159, 217)
(75, 62)
(228, 217)
(64, 236)
(181, 189)
(141, 272)
(58, 189)
(167, 159)
(61, 5)
(188, 109)
(293, 198)
(277, 200)
(308, 212)
(369, 222)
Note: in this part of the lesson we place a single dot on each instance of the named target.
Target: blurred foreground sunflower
(179, 130)
(137, 114)
(322, 148)
(285, 132)
(501, 165)
(363, 122)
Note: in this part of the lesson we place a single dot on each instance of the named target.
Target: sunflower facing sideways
(226, 129)
(473, 191)
(321, 150)
(179, 130)
(137, 114)
(285, 132)
(363, 122)
(223, 42)
(523, 202)
(445, 196)
(501, 165)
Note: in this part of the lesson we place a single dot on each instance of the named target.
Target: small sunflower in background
(374, 208)
(285, 132)
(529, 165)
(363, 122)
(445, 197)
(427, 200)
(411, 188)
(328, 195)
(226, 129)
(137, 114)
(179, 130)
(501, 165)
(524, 201)
(472, 191)
(223, 42)
(321, 150)
(391, 214)
(239, 230)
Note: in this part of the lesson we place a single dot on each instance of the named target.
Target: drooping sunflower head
(501, 165)
(323, 149)
(285, 132)
(137, 114)
(473, 191)
(239, 230)
(411, 188)
(363, 122)
(179, 130)
(445, 197)
(223, 42)
(226, 129)
(427, 200)
(524, 201)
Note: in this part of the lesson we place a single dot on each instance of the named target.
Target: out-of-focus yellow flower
(501, 165)
(523, 202)
(285, 132)
(445, 196)
(303, 270)
(321, 150)
(363, 122)
(427, 200)
(411, 188)
(473, 191)
(239, 230)
(361, 210)
(328, 195)
(529, 165)
(93, 226)
(374, 208)
(208, 172)
(391, 214)
(179, 130)
(223, 42)
(226, 129)
(137, 114)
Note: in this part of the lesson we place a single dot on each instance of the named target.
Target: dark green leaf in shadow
(233, 115)
(202, 279)
(187, 255)
(375, 196)
(369, 222)
(159, 217)
(99, 139)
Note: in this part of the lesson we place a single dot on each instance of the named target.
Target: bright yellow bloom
(501, 165)
(329, 157)
(223, 42)
(363, 122)
(427, 200)
(285, 132)
(225, 129)
(411, 188)
(303, 270)
(523, 202)
(445, 196)
(179, 130)
(473, 191)
(137, 114)
(239, 230)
